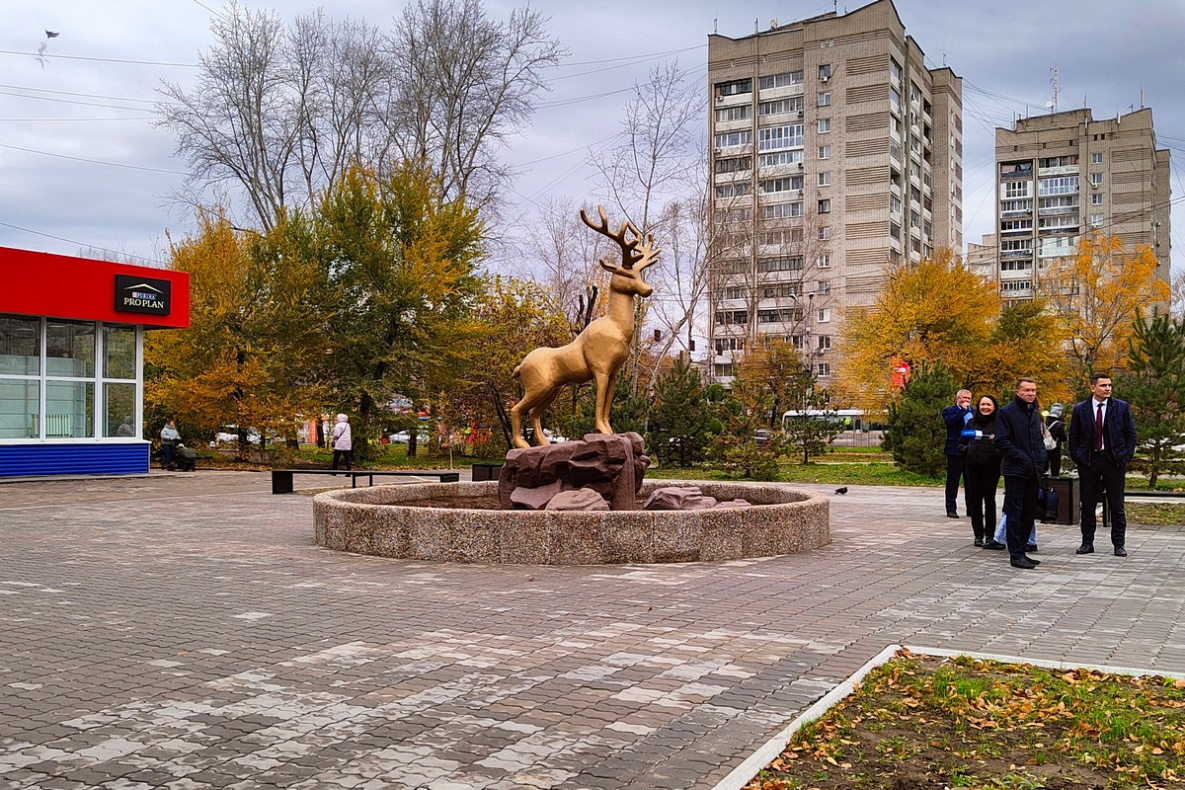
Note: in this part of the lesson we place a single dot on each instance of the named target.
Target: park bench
(282, 478)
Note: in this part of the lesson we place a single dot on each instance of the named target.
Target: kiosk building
(71, 361)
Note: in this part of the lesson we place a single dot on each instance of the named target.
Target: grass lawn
(926, 722)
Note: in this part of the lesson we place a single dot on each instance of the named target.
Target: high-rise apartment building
(1062, 175)
(836, 155)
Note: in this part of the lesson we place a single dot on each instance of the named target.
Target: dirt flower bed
(926, 722)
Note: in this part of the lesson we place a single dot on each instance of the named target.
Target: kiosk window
(70, 349)
(18, 408)
(119, 352)
(69, 409)
(20, 345)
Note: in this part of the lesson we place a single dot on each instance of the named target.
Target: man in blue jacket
(1019, 437)
(955, 417)
(1102, 443)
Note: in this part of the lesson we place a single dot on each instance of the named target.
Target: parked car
(761, 436)
(402, 437)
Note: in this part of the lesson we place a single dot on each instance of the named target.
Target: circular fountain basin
(386, 522)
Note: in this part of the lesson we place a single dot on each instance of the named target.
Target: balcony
(1014, 254)
(1053, 211)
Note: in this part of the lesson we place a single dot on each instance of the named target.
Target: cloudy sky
(83, 166)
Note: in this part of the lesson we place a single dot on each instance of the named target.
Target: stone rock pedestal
(612, 466)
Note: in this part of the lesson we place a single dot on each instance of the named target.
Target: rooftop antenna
(1142, 105)
(756, 25)
(716, 25)
(1056, 88)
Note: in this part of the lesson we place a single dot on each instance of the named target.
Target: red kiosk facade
(71, 361)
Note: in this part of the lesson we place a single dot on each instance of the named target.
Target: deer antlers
(632, 257)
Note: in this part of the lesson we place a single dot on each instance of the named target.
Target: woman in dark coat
(983, 468)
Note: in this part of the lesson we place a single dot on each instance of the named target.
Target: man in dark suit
(1102, 443)
(955, 417)
(1019, 437)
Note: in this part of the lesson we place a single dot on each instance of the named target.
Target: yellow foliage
(1098, 293)
(936, 311)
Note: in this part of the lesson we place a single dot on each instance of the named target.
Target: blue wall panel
(73, 459)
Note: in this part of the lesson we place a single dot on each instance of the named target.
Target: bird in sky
(41, 50)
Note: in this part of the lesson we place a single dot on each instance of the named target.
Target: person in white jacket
(342, 446)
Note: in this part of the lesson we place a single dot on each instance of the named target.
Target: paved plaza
(185, 632)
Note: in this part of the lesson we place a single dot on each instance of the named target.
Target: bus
(858, 431)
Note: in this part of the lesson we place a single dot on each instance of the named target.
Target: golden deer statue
(600, 350)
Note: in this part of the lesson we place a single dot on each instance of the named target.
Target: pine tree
(1155, 387)
(679, 419)
(916, 434)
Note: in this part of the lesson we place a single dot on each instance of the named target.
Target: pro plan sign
(141, 295)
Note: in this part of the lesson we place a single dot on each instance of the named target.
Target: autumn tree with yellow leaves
(938, 311)
(1099, 293)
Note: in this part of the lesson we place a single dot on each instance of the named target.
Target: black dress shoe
(952, 514)
(1085, 548)
(995, 545)
(1030, 548)
(1023, 562)
(979, 543)
(1035, 562)
(1120, 551)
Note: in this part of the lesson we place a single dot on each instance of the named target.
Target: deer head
(627, 276)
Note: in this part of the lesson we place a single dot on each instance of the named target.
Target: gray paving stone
(221, 648)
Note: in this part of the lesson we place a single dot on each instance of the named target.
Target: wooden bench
(282, 478)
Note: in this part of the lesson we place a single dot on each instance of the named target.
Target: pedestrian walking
(343, 451)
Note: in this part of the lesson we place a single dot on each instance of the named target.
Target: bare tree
(279, 111)
(464, 83)
(652, 161)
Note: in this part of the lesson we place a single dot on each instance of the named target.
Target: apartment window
(1016, 189)
(739, 113)
(787, 184)
(730, 139)
(1016, 245)
(823, 288)
(1096, 158)
(782, 210)
(1096, 179)
(780, 106)
(782, 80)
(824, 152)
(1014, 225)
(824, 342)
(1068, 160)
(734, 87)
(895, 101)
(823, 369)
(773, 138)
(1096, 200)
(738, 189)
(734, 165)
(1016, 206)
(823, 261)
(824, 315)
(784, 263)
(1064, 185)
(825, 179)
(824, 233)
(825, 99)
(825, 71)
(780, 158)
(894, 69)
(824, 125)
(894, 204)
(825, 206)
(1015, 266)
(1096, 220)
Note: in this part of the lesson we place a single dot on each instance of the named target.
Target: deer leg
(605, 384)
(516, 424)
(537, 417)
